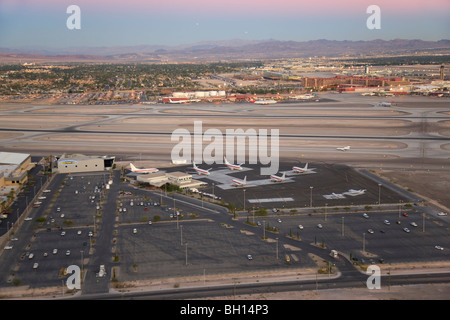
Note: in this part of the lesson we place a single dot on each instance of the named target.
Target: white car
(439, 247)
(442, 213)
(63, 233)
(28, 219)
(414, 224)
(55, 251)
(370, 231)
(300, 227)
(78, 232)
(134, 230)
(387, 222)
(68, 253)
(365, 215)
(30, 256)
(8, 247)
(319, 226)
(249, 257)
(35, 265)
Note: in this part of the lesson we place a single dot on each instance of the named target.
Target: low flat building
(177, 178)
(78, 163)
(14, 168)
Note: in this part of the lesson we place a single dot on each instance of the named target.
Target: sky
(42, 23)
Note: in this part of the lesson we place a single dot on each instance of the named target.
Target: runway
(414, 132)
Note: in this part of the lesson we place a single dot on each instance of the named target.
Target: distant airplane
(233, 166)
(239, 182)
(302, 170)
(263, 101)
(353, 192)
(201, 171)
(305, 96)
(142, 170)
(183, 101)
(386, 104)
(275, 178)
(344, 148)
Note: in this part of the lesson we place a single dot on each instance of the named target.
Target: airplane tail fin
(306, 166)
(284, 176)
(245, 179)
(251, 100)
(133, 168)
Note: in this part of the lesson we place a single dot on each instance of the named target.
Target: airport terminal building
(78, 163)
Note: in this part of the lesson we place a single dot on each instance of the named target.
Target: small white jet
(201, 171)
(232, 166)
(239, 182)
(142, 170)
(353, 192)
(275, 178)
(302, 170)
(344, 148)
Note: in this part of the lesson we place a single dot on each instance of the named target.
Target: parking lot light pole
(181, 234)
(379, 194)
(277, 248)
(264, 229)
(364, 242)
(310, 199)
(423, 221)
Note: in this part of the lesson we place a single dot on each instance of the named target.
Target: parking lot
(140, 239)
(299, 190)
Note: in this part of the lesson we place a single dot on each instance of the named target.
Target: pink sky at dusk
(250, 7)
(172, 22)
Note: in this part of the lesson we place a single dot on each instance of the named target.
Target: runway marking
(270, 200)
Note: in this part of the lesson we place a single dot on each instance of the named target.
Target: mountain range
(230, 50)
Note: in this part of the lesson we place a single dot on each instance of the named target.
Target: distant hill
(236, 49)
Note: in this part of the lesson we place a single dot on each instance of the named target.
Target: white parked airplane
(263, 101)
(239, 182)
(183, 101)
(232, 166)
(344, 148)
(142, 170)
(302, 170)
(201, 171)
(353, 192)
(275, 178)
